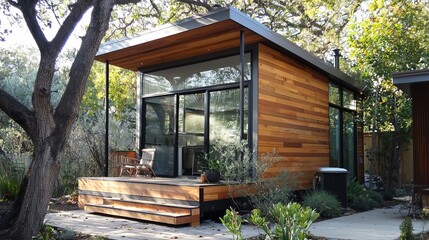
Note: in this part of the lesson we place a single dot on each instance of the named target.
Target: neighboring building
(225, 76)
(416, 85)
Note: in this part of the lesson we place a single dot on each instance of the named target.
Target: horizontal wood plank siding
(292, 115)
(186, 193)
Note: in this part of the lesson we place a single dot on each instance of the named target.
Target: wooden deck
(173, 201)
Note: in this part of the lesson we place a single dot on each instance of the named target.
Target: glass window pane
(349, 146)
(191, 133)
(349, 100)
(334, 94)
(160, 133)
(202, 74)
(225, 116)
(334, 137)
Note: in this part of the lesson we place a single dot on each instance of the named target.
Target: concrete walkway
(371, 225)
(376, 224)
(120, 228)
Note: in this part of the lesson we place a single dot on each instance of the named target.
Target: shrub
(324, 203)
(406, 229)
(232, 221)
(10, 179)
(361, 199)
(243, 170)
(291, 221)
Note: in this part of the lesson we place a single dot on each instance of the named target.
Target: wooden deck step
(149, 205)
(192, 217)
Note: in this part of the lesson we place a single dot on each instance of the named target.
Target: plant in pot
(213, 170)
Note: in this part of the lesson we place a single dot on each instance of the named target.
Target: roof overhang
(404, 80)
(206, 34)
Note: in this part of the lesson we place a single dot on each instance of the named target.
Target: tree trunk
(26, 216)
(47, 127)
(374, 124)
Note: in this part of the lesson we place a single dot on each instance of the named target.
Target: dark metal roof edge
(411, 73)
(166, 30)
(403, 80)
(292, 48)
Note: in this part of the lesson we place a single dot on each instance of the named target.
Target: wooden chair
(134, 166)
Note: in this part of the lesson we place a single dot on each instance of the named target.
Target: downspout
(106, 137)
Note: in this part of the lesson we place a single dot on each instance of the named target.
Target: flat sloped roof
(404, 80)
(201, 34)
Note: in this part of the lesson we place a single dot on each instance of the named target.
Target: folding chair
(135, 166)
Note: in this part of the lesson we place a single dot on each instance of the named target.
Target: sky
(21, 36)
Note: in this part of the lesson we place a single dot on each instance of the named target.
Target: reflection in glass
(349, 100)
(334, 94)
(202, 74)
(160, 133)
(349, 146)
(225, 115)
(191, 133)
(334, 137)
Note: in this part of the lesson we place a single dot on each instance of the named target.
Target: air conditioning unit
(333, 180)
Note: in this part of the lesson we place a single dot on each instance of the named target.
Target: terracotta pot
(203, 178)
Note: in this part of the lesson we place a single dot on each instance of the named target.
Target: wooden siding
(421, 133)
(292, 115)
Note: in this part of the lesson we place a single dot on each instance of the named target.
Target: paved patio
(371, 225)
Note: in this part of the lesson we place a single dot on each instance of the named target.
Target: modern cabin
(224, 76)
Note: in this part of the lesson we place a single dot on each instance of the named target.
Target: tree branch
(68, 107)
(18, 112)
(77, 11)
(28, 9)
(197, 3)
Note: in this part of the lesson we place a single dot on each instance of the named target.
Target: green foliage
(362, 199)
(122, 92)
(390, 37)
(324, 203)
(11, 174)
(291, 221)
(232, 221)
(406, 229)
(244, 172)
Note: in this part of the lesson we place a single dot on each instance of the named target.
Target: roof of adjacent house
(208, 33)
(404, 80)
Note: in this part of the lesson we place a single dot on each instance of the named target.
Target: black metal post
(106, 137)
(242, 85)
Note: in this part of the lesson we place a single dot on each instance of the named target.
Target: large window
(197, 75)
(342, 129)
(189, 107)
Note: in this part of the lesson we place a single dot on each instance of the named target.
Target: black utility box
(333, 180)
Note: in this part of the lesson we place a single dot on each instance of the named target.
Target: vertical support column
(106, 137)
(242, 85)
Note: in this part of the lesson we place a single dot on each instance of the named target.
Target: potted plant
(212, 172)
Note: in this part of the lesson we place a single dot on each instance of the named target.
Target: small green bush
(324, 203)
(10, 180)
(291, 221)
(232, 221)
(376, 197)
(406, 229)
(362, 199)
